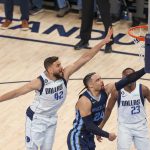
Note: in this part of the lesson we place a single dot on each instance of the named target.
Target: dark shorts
(80, 141)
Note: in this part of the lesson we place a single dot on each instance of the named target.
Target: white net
(139, 32)
(140, 45)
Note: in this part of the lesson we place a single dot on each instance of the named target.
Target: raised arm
(33, 85)
(125, 81)
(84, 106)
(110, 105)
(87, 56)
(129, 79)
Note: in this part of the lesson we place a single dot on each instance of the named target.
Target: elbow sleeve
(129, 79)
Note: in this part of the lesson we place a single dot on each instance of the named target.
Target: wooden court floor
(21, 59)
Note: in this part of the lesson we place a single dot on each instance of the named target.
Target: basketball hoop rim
(140, 38)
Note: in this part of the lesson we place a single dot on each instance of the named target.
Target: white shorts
(136, 133)
(40, 132)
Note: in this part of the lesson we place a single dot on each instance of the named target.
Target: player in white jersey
(51, 91)
(132, 123)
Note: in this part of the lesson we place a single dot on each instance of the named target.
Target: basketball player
(90, 110)
(132, 123)
(51, 90)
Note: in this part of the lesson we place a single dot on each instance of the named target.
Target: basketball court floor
(21, 59)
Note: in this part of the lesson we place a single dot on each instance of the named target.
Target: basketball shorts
(133, 133)
(40, 132)
(80, 141)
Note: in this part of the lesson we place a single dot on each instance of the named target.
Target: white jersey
(131, 106)
(51, 96)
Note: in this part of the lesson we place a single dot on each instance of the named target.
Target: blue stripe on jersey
(119, 98)
(76, 140)
(42, 81)
(73, 139)
(75, 144)
(77, 120)
(141, 94)
(29, 113)
(65, 82)
(77, 126)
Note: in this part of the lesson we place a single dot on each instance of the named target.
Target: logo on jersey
(130, 102)
(45, 81)
(27, 139)
(123, 94)
(54, 89)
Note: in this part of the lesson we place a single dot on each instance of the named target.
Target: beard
(58, 75)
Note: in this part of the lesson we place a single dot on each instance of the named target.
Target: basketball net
(138, 36)
(140, 45)
(142, 40)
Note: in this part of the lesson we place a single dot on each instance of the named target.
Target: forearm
(129, 79)
(86, 57)
(14, 93)
(8, 96)
(106, 117)
(90, 126)
(91, 53)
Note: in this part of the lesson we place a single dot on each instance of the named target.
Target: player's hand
(108, 38)
(99, 138)
(112, 136)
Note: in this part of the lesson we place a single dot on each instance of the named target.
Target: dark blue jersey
(97, 110)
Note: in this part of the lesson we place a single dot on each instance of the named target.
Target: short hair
(49, 61)
(87, 78)
(123, 72)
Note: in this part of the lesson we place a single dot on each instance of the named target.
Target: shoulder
(35, 84)
(84, 101)
(109, 88)
(145, 89)
(84, 106)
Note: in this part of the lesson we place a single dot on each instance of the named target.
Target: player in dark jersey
(90, 110)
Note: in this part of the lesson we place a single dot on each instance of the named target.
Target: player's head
(53, 66)
(126, 72)
(92, 81)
